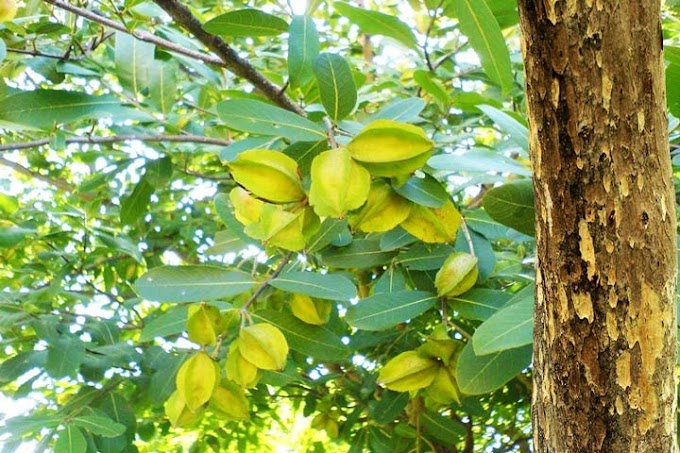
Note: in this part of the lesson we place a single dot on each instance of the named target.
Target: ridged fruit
(384, 210)
(178, 413)
(247, 208)
(196, 379)
(389, 148)
(433, 225)
(268, 174)
(239, 369)
(311, 311)
(338, 184)
(408, 371)
(204, 324)
(444, 388)
(443, 350)
(457, 275)
(264, 346)
(8, 10)
(229, 401)
(279, 228)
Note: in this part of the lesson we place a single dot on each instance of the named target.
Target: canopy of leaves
(278, 190)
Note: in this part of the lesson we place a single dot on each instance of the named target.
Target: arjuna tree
(248, 225)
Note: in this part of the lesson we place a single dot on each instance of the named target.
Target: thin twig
(468, 236)
(63, 185)
(230, 58)
(121, 138)
(284, 261)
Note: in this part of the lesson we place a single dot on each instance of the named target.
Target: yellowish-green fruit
(444, 388)
(443, 350)
(457, 275)
(279, 228)
(311, 311)
(398, 169)
(247, 208)
(8, 10)
(239, 369)
(178, 413)
(338, 184)
(268, 174)
(438, 225)
(204, 324)
(385, 141)
(196, 380)
(264, 346)
(384, 210)
(228, 399)
(408, 371)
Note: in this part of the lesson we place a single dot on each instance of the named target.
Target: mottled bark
(605, 323)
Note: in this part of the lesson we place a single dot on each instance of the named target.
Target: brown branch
(232, 61)
(121, 138)
(139, 34)
(284, 261)
(63, 185)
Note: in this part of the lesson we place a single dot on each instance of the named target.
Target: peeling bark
(605, 322)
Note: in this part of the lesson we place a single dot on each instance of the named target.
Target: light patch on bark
(555, 92)
(583, 305)
(623, 370)
(640, 182)
(587, 248)
(612, 326)
(607, 87)
(641, 120)
(607, 182)
(550, 12)
(623, 185)
(564, 303)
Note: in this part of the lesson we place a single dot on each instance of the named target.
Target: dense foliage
(259, 225)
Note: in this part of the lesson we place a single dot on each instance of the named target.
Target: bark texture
(605, 324)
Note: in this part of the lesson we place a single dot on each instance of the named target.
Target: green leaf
(172, 322)
(100, 426)
(45, 108)
(426, 191)
(391, 281)
(390, 406)
(305, 152)
(511, 327)
(314, 341)
(246, 22)
(13, 235)
(3, 50)
(226, 242)
(361, 253)
(303, 47)
(31, 424)
(479, 304)
(64, 357)
(336, 85)
(70, 440)
(322, 286)
(257, 117)
(158, 172)
(224, 210)
(385, 310)
(396, 239)
(192, 283)
(162, 382)
(134, 62)
(477, 22)
(16, 366)
(121, 243)
(517, 131)
(330, 229)
(8, 204)
(134, 207)
(375, 23)
(441, 428)
(478, 160)
(512, 205)
(423, 257)
(672, 88)
(477, 375)
(402, 110)
(433, 87)
(163, 85)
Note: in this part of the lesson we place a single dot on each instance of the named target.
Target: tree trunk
(605, 321)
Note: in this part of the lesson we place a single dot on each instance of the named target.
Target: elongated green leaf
(134, 61)
(226, 242)
(70, 440)
(134, 206)
(479, 304)
(512, 205)
(402, 110)
(171, 322)
(431, 85)
(322, 286)
(391, 281)
(315, 341)
(162, 382)
(30, 424)
(21, 363)
(246, 22)
(375, 23)
(192, 283)
(423, 257)
(386, 310)
(64, 356)
(305, 152)
(45, 108)
(303, 47)
(121, 243)
(441, 428)
(330, 229)
(260, 118)
(100, 426)
(517, 131)
(426, 191)
(511, 327)
(672, 87)
(390, 406)
(395, 239)
(163, 85)
(336, 85)
(477, 375)
(13, 235)
(224, 210)
(360, 253)
(478, 23)
(478, 160)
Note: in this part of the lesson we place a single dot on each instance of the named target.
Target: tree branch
(232, 61)
(121, 138)
(63, 185)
